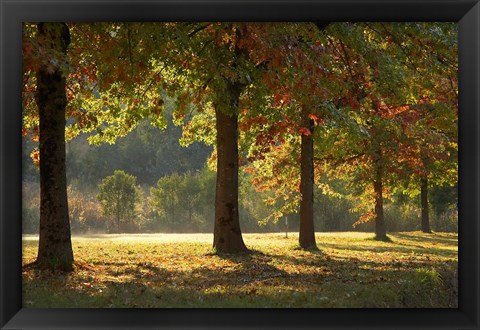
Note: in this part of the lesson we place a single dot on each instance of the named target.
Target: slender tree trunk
(380, 230)
(118, 213)
(307, 231)
(227, 236)
(55, 247)
(424, 202)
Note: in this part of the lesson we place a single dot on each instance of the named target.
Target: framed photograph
(397, 104)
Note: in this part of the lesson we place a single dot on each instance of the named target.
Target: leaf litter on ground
(349, 270)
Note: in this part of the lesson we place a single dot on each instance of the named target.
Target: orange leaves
(70, 95)
(316, 119)
(35, 156)
(297, 187)
(365, 217)
(390, 111)
(32, 132)
(186, 64)
(423, 100)
(249, 169)
(304, 131)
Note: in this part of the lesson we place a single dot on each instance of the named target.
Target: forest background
(151, 154)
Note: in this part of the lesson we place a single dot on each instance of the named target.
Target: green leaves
(118, 196)
(368, 86)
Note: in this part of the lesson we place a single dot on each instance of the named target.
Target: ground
(182, 270)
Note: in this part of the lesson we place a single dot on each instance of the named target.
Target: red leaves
(304, 131)
(313, 117)
(316, 119)
(265, 140)
(391, 111)
(248, 123)
(352, 102)
(281, 99)
(27, 48)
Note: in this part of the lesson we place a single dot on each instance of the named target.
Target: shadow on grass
(256, 279)
(253, 282)
(393, 247)
(312, 249)
(428, 238)
(385, 239)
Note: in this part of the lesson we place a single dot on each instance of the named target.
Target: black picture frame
(13, 12)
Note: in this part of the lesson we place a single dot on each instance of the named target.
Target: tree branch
(200, 28)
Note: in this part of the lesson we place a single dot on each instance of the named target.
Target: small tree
(118, 196)
(166, 199)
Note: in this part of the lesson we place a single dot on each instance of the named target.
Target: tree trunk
(380, 230)
(118, 212)
(227, 236)
(55, 247)
(172, 221)
(307, 231)
(424, 202)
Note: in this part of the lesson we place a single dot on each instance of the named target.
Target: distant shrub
(118, 197)
(30, 208)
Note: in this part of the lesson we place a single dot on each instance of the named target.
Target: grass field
(181, 270)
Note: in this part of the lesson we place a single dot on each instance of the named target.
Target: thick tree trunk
(227, 236)
(380, 230)
(307, 231)
(55, 247)
(424, 202)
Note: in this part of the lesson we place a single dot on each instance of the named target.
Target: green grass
(181, 270)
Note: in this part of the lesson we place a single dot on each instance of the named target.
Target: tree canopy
(296, 105)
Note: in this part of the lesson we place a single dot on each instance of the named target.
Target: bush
(184, 202)
(30, 208)
(85, 212)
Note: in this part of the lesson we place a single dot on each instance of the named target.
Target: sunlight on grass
(181, 270)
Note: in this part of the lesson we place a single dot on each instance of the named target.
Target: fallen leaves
(162, 273)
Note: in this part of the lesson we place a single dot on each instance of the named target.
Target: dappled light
(240, 164)
(181, 270)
